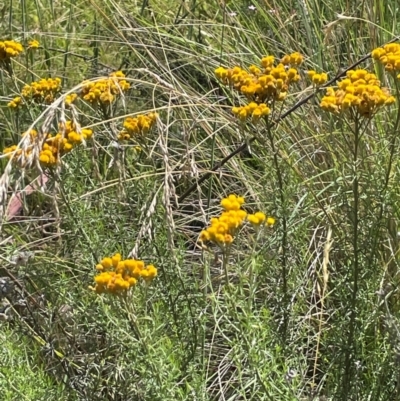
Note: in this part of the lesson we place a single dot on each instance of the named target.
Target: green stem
(251, 285)
(351, 343)
(225, 258)
(283, 220)
(133, 323)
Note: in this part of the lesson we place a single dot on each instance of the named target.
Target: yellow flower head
(317, 79)
(149, 273)
(267, 61)
(256, 219)
(116, 259)
(106, 263)
(294, 59)
(232, 202)
(33, 44)
(16, 102)
(9, 49)
(69, 99)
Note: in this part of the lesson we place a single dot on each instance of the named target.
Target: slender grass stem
(283, 218)
(225, 263)
(214, 136)
(351, 342)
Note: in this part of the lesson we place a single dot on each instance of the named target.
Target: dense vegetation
(199, 200)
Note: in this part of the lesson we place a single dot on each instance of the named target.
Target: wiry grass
(291, 324)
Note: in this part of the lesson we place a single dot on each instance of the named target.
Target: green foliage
(20, 375)
(306, 310)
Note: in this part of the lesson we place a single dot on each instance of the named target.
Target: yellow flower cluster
(53, 148)
(17, 153)
(259, 218)
(137, 126)
(389, 56)
(294, 59)
(16, 102)
(116, 276)
(33, 44)
(360, 90)
(223, 228)
(69, 99)
(271, 83)
(105, 90)
(43, 91)
(253, 110)
(63, 142)
(317, 79)
(9, 48)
